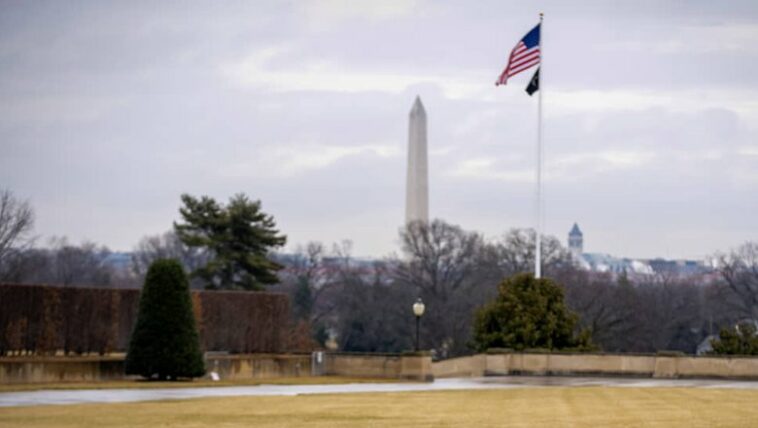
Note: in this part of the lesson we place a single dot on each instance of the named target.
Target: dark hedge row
(42, 320)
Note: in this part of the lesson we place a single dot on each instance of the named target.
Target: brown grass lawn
(530, 407)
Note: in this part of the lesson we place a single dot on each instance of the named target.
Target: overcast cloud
(109, 111)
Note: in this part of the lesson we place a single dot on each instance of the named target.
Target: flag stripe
(533, 55)
(522, 69)
(523, 66)
(520, 47)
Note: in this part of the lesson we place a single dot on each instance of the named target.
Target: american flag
(526, 54)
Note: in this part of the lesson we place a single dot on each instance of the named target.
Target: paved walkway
(58, 397)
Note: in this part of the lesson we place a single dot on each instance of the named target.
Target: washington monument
(417, 184)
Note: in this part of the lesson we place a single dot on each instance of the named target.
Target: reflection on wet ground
(58, 397)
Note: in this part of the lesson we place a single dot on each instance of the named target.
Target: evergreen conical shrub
(165, 343)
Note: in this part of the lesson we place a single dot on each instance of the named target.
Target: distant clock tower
(576, 242)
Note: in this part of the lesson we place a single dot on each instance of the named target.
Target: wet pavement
(59, 397)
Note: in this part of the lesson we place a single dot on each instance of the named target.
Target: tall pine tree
(238, 237)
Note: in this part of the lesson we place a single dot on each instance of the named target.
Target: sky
(109, 111)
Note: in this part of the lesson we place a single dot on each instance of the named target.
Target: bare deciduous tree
(308, 278)
(84, 264)
(739, 271)
(372, 312)
(440, 257)
(67, 264)
(445, 265)
(167, 246)
(514, 253)
(16, 222)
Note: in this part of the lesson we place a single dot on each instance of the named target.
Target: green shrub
(528, 313)
(740, 340)
(164, 343)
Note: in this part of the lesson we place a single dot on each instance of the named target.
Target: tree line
(456, 272)
(366, 305)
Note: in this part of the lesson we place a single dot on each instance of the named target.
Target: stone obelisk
(417, 184)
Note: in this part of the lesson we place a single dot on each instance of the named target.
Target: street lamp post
(418, 310)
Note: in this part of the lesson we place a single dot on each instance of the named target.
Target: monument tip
(417, 105)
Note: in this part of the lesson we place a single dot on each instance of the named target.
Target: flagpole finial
(541, 15)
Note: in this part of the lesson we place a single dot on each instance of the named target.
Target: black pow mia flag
(534, 84)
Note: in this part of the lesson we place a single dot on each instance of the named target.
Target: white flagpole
(538, 246)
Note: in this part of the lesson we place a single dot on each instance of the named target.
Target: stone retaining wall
(516, 363)
(417, 366)
(413, 366)
(259, 366)
(60, 369)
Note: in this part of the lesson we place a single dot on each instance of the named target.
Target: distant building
(576, 242)
(599, 262)
(682, 267)
(705, 347)
(119, 260)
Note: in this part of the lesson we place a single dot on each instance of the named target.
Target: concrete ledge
(638, 365)
(60, 369)
(416, 366)
(411, 366)
(259, 366)
(15, 370)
